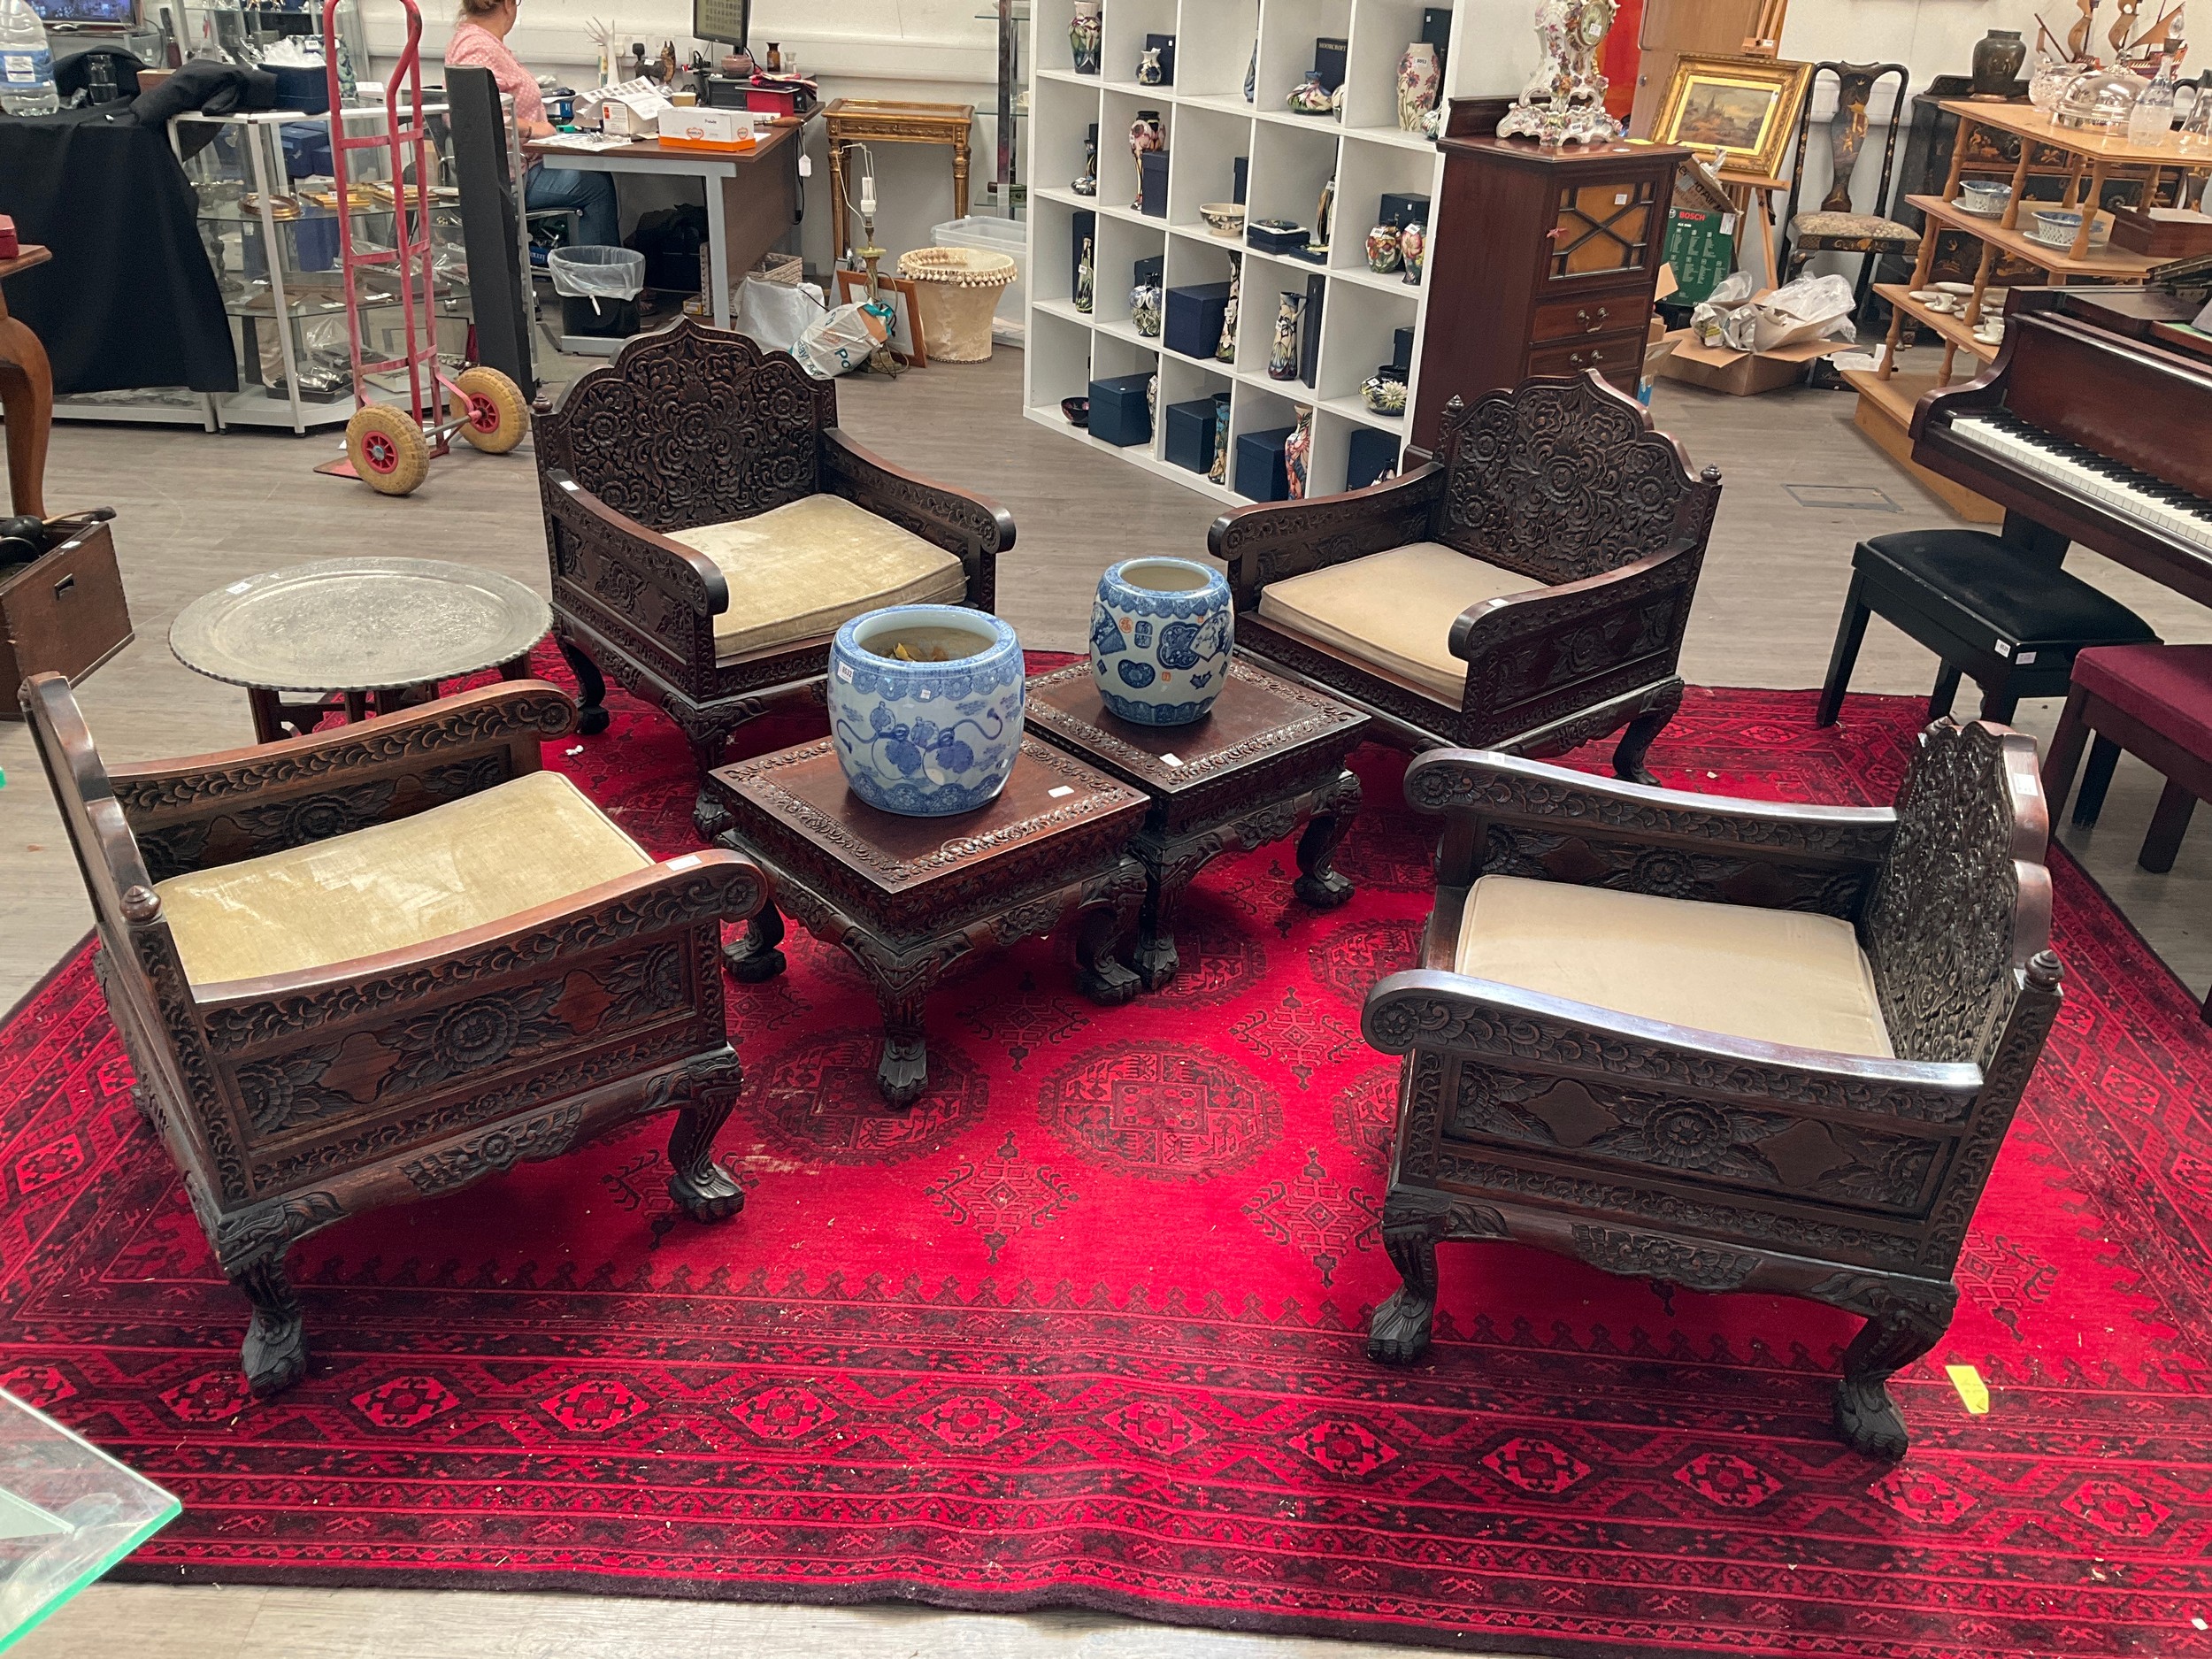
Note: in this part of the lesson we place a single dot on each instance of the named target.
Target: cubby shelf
(1209, 124)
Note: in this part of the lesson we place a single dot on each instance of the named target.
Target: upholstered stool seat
(1394, 610)
(1853, 233)
(2006, 618)
(797, 571)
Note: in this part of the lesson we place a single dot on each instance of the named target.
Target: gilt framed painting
(1738, 113)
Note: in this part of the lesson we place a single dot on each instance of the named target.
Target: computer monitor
(113, 14)
(730, 21)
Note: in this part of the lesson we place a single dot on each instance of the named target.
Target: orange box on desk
(700, 127)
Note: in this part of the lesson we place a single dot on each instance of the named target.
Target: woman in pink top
(479, 37)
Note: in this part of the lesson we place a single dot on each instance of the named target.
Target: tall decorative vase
(1998, 57)
(1298, 451)
(1160, 636)
(1085, 36)
(1219, 470)
(1225, 348)
(934, 731)
(1088, 185)
(1085, 275)
(1413, 245)
(1252, 71)
(1282, 358)
(1145, 134)
(1419, 78)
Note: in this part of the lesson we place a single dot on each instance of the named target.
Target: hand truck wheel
(386, 448)
(493, 416)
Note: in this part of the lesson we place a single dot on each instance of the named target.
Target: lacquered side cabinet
(1546, 262)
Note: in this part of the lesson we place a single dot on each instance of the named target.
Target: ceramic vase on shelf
(1309, 97)
(1219, 470)
(1160, 636)
(1150, 71)
(1152, 401)
(1385, 394)
(1144, 300)
(1252, 71)
(1323, 216)
(1225, 348)
(925, 708)
(1085, 35)
(1282, 358)
(1413, 246)
(1998, 55)
(1419, 77)
(1088, 185)
(1085, 275)
(1145, 134)
(1298, 451)
(1382, 249)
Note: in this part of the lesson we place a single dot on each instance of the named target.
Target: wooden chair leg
(1946, 692)
(2063, 758)
(2168, 825)
(590, 683)
(1850, 631)
(2000, 705)
(2104, 755)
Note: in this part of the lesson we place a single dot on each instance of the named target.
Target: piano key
(2098, 479)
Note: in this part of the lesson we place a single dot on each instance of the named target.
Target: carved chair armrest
(974, 526)
(210, 810)
(1482, 1019)
(709, 887)
(1270, 542)
(690, 578)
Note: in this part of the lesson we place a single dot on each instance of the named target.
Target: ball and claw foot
(1157, 962)
(1107, 983)
(1398, 1332)
(275, 1353)
(750, 965)
(592, 722)
(707, 1194)
(904, 1072)
(1324, 889)
(1869, 1419)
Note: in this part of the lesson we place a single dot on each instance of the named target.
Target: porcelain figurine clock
(1564, 100)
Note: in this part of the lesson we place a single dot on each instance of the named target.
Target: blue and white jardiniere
(926, 739)
(1160, 636)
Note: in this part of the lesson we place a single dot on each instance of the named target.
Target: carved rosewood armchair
(371, 965)
(1524, 591)
(709, 527)
(1730, 1044)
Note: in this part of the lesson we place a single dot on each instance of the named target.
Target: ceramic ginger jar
(1161, 630)
(1382, 249)
(933, 733)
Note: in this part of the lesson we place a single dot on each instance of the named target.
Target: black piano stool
(2008, 619)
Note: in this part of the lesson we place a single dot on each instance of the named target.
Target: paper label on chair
(690, 861)
(2024, 657)
(2003, 650)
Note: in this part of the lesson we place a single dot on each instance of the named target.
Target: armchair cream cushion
(1777, 976)
(799, 570)
(534, 840)
(1394, 610)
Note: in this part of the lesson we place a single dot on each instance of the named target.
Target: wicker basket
(957, 289)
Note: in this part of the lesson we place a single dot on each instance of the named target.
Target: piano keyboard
(2081, 471)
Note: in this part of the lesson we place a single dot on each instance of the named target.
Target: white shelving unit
(1208, 125)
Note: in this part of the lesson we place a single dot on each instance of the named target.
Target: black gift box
(1310, 330)
(1276, 239)
(1371, 455)
(1261, 473)
(1436, 29)
(1401, 208)
(1243, 167)
(1194, 319)
(1401, 350)
(1190, 433)
(1328, 59)
(1118, 414)
(1149, 273)
(1085, 230)
(1166, 44)
(1153, 164)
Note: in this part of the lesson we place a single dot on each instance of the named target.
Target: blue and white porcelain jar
(935, 731)
(1160, 636)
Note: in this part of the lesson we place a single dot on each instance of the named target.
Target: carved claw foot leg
(1398, 1332)
(1318, 884)
(753, 957)
(591, 688)
(1636, 742)
(1099, 972)
(903, 1073)
(1903, 1323)
(1155, 958)
(1413, 1221)
(275, 1351)
(702, 1189)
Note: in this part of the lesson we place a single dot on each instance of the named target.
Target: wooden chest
(63, 614)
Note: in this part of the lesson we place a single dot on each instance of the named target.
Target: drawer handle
(1589, 327)
(1577, 359)
(65, 586)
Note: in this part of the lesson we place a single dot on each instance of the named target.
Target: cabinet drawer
(1618, 356)
(1602, 314)
(64, 613)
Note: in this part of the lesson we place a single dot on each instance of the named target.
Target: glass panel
(1603, 227)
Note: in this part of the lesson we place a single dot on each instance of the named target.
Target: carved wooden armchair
(371, 965)
(1526, 591)
(1730, 1044)
(709, 527)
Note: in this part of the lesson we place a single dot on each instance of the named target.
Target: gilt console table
(1269, 758)
(908, 898)
(886, 121)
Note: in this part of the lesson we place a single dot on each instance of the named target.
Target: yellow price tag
(1973, 1392)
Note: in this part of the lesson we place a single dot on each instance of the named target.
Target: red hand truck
(389, 446)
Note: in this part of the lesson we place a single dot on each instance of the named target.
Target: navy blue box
(1243, 175)
(1118, 414)
(1195, 317)
(1372, 454)
(1401, 351)
(1190, 432)
(1260, 471)
(1153, 170)
(1149, 273)
(1166, 45)
(1329, 53)
(1269, 239)
(1402, 208)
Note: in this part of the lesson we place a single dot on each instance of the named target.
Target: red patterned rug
(1084, 1327)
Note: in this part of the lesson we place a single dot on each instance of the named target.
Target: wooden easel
(1754, 197)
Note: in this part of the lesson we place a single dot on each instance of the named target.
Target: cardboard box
(699, 127)
(1738, 374)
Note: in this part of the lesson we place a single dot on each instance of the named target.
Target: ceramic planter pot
(1160, 636)
(1086, 33)
(926, 739)
(1382, 249)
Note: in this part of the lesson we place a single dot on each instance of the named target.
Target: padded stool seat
(2005, 617)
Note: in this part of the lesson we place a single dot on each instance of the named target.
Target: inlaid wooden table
(1269, 758)
(908, 898)
(886, 121)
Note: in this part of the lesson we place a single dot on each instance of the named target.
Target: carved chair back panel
(1963, 899)
(1847, 130)
(692, 425)
(1562, 478)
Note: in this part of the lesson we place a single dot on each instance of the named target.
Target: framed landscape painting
(1745, 107)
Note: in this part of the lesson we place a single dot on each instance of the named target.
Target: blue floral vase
(926, 738)
(1160, 636)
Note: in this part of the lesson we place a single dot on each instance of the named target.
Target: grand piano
(2093, 425)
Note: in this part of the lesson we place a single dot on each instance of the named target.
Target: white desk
(752, 195)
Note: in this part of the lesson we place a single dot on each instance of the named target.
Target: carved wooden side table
(887, 121)
(907, 898)
(27, 394)
(1270, 757)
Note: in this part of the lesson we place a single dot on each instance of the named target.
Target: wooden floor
(196, 512)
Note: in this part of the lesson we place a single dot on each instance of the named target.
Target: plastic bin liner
(596, 273)
(774, 315)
